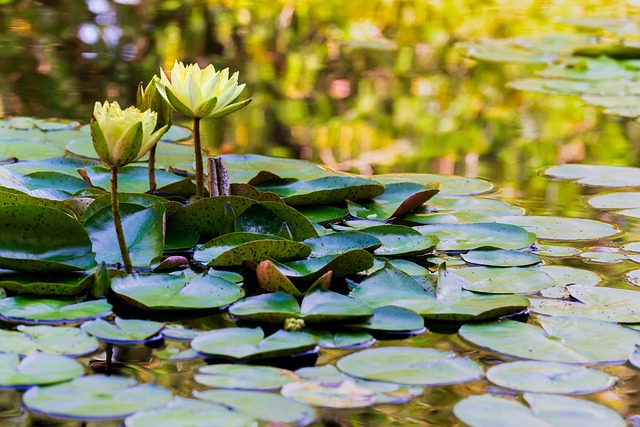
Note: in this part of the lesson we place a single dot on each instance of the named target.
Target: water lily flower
(123, 136)
(201, 93)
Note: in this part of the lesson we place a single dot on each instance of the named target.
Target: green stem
(152, 169)
(197, 146)
(117, 221)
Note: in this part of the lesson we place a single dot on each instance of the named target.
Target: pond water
(361, 89)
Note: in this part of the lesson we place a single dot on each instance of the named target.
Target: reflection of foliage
(353, 84)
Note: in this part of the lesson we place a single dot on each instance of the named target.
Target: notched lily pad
(563, 229)
(37, 369)
(124, 331)
(464, 237)
(244, 377)
(70, 284)
(269, 217)
(207, 216)
(500, 258)
(398, 199)
(25, 309)
(68, 341)
(399, 240)
(511, 280)
(338, 243)
(596, 175)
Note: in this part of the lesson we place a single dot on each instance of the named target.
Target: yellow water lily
(123, 136)
(201, 93)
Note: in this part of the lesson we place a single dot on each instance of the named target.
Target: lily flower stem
(152, 169)
(117, 221)
(197, 146)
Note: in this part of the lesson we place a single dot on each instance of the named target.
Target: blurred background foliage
(361, 85)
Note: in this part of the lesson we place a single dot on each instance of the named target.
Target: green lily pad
(269, 217)
(143, 231)
(554, 250)
(323, 214)
(266, 407)
(176, 292)
(25, 309)
(512, 280)
(543, 411)
(464, 237)
(564, 275)
(181, 412)
(68, 341)
(124, 331)
(38, 239)
(391, 286)
(323, 191)
(391, 319)
(95, 398)
(410, 366)
(70, 284)
(176, 353)
(345, 394)
(608, 101)
(311, 269)
(411, 268)
(593, 302)
(502, 51)
(251, 344)
(549, 377)
(244, 377)
(64, 165)
(604, 255)
(37, 369)
(450, 185)
(14, 198)
(346, 340)
(587, 69)
(564, 229)
(146, 200)
(242, 168)
(561, 339)
(234, 248)
(398, 199)
(53, 181)
(338, 243)
(461, 210)
(500, 258)
(399, 240)
(29, 149)
(179, 333)
(131, 179)
(596, 175)
(319, 306)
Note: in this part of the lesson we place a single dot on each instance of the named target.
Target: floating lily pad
(502, 51)
(70, 284)
(464, 237)
(410, 366)
(450, 185)
(587, 70)
(604, 255)
(391, 319)
(143, 231)
(15, 198)
(554, 250)
(146, 200)
(131, 179)
(176, 292)
(49, 339)
(319, 306)
(181, 412)
(234, 248)
(543, 411)
(512, 280)
(251, 344)
(124, 331)
(37, 369)
(323, 191)
(38, 239)
(597, 175)
(560, 228)
(323, 214)
(549, 377)
(242, 168)
(339, 243)
(29, 149)
(398, 199)
(343, 264)
(24, 309)
(461, 210)
(269, 217)
(179, 333)
(95, 398)
(346, 340)
(593, 302)
(500, 258)
(266, 407)
(561, 339)
(345, 394)
(399, 240)
(176, 353)
(244, 377)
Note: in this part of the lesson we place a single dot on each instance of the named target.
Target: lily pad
(345, 340)
(244, 377)
(543, 411)
(561, 339)
(549, 377)
(344, 394)
(500, 258)
(242, 168)
(399, 240)
(323, 214)
(596, 175)
(269, 217)
(564, 229)
(38, 239)
(143, 231)
(398, 199)
(461, 210)
(251, 344)
(323, 191)
(95, 398)
(410, 366)
(464, 237)
(564, 275)
(37, 369)
(319, 306)
(68, 341)
(339, 243)
(512, 280)
(25, 309)
(176, 292)
(181, 412)
(266, 407)
(450, 185)
(391, 319)
(70, 284)
(343, 264)
(131, 179)
(234, 248)
(124, 331)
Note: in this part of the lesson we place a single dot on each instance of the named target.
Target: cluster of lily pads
(299, 260)
(601, 64)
